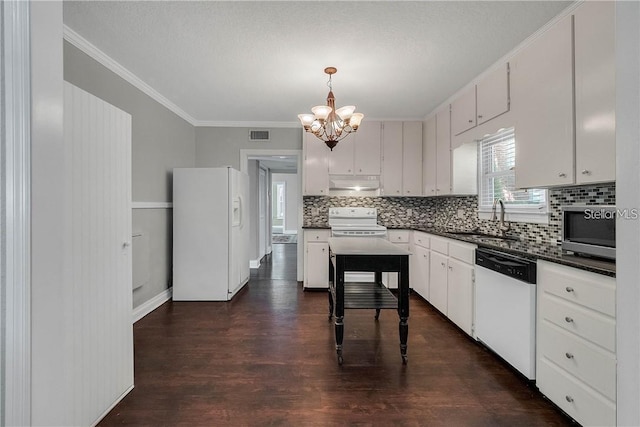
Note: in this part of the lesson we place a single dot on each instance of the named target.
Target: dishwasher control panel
(510, 265)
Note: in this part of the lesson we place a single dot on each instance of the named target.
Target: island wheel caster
(340, 360)
(404, 359)
(377, 316)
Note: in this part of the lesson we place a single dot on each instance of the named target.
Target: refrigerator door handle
(240, 212)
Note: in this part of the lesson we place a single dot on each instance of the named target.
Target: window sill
(530, 217)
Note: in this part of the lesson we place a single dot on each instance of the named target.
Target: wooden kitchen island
(367, 254)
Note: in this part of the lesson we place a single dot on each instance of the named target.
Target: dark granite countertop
(534, 250)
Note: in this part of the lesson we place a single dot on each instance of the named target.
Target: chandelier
(327, 123)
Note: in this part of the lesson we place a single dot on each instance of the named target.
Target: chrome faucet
(504, 226)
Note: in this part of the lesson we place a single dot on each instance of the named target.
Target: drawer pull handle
(569, 289)
(569, 399)
(568, 319)
(569, 355)
(442, 264)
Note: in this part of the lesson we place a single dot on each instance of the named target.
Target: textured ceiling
(263, 61)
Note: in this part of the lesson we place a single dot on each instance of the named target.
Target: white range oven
(356, 222)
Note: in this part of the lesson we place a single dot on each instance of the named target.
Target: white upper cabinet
(358, 153)
(594, 26)
(492, 94)
(392, 158)
(542, 101)
(463, 112)
(316, 172)
(412, 158)
(484, 101)
(402, 159)
(368, 148)
(443, 152)
(429, 166)
(342, 156)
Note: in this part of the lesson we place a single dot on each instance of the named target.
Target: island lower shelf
(367, 295)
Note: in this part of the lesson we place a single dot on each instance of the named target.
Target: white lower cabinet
(576, 355)
(460, 294)
(438, 265)
(400, 238)
(451, 278)
(316, 259)
(419, 264)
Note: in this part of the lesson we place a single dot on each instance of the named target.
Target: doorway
(281, 166)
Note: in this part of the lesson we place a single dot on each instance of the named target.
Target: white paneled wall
(99, 252)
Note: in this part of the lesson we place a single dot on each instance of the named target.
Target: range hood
(354, 183)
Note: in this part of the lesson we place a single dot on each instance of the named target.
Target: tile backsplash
(459, 212)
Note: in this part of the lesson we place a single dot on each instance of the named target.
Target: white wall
(161, 140)
(221, 146)
(291, 200)
(254, 218)
(628, 196)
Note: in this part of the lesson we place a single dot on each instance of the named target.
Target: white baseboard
(145, 308)
(254, 263)
(113, 405)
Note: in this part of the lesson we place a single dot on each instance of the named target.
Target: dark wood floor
(268, 358)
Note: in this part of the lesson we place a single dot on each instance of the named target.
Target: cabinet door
(419, 264)
(429, 157)
(492, 94)
(438, 266)
(391, 279)
(460, 294)
(412, 158)
(317, 265)
(316, 173)
(595, 92)
(367, 149)
(542, 100)
(443, 152)
(463, 112)
(392, 158)
(341, 158)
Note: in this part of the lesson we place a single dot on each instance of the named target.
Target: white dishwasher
(505, 307)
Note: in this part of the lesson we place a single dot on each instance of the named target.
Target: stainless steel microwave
(589, 230)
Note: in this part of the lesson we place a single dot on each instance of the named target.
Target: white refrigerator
(210, 233)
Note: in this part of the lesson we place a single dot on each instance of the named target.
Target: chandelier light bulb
(345, 112)
(321, 111)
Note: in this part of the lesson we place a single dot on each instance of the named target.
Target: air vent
(258, 135)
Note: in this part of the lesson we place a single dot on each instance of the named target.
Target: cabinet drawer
(398, 236)
(574, 397)
(439, 244)
(590, 325)
(588, 289)
(462, 252)
(317, 235)
(591, 364)
(421, 239)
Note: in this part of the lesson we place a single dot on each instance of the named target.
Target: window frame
(531, 213)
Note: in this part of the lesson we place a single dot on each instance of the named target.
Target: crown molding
(87, 47)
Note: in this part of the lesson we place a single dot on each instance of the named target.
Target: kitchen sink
(482, 236)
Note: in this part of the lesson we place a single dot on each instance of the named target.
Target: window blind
(497, 175)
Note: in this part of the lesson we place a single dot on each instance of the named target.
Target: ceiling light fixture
(327, 123)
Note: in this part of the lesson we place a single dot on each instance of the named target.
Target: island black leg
(330, 305)
(404, 333)
(339, 337)
(403, 305)
(339, 306)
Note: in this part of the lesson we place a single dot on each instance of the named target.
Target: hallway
(268, 358)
